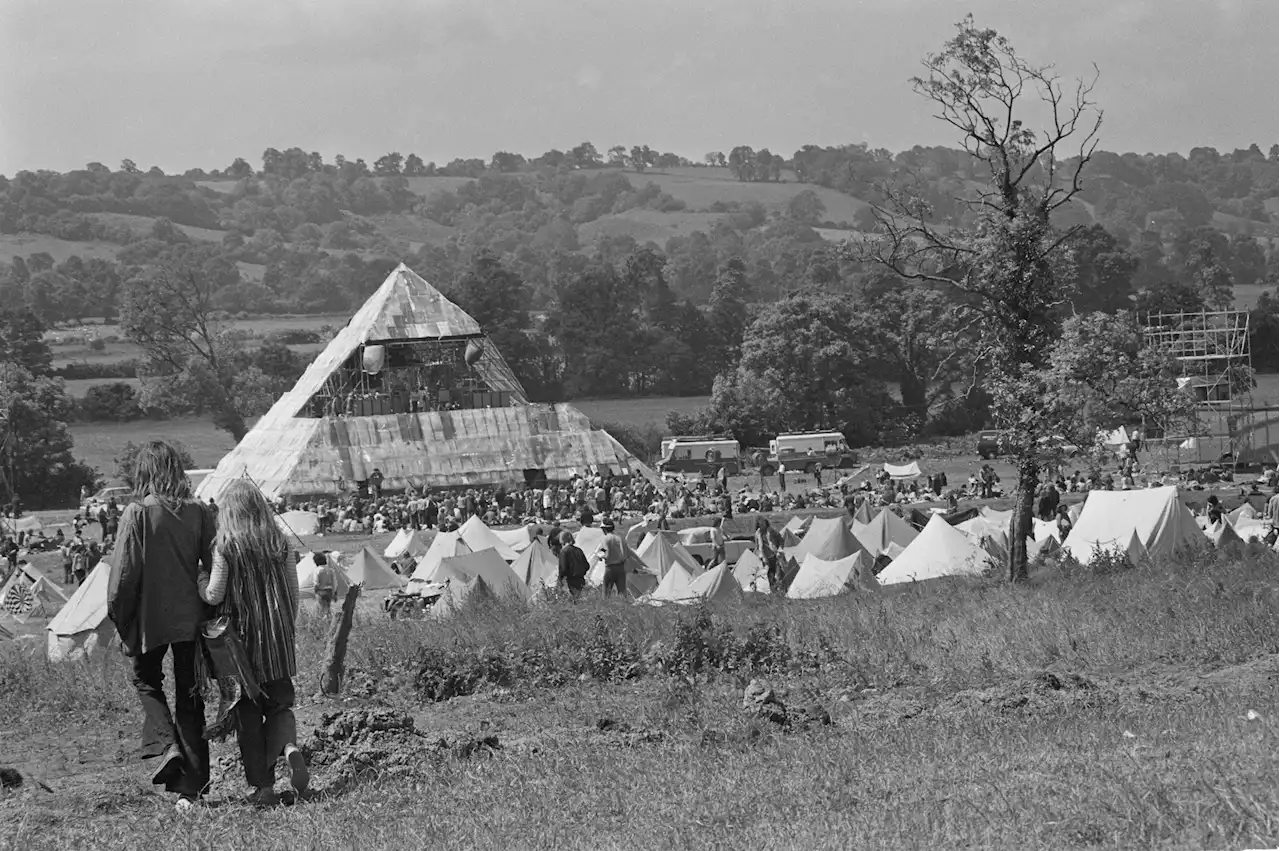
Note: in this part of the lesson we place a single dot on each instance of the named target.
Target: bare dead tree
(979, 85)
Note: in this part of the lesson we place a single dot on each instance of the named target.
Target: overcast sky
(181, 84)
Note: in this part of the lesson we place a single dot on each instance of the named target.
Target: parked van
(702, 454)
(802, 451)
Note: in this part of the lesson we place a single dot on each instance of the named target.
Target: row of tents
(822, 557)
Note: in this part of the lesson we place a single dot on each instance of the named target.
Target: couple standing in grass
(173, 568)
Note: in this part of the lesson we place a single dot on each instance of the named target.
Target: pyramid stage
(412, 387)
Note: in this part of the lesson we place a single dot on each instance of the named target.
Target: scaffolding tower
(1212, 350)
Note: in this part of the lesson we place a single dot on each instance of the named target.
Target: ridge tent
(1035, 548)
(789, 539)
(517, 539)
(488, 565)
(674, 587)
(537, 567)
(662, 554)
(652, 535)
(887, 528)
(1251, 530)
(299, 523)
(819, 577)
(444, 545)
(798, 524)
(589, 539)
(480, 537)
(1162, 523)
(863, 512)
(640, 577)
(715, 585)
(751, 573)
(903, 471)
(81, 626)
(1244, 512)
(940, 550)
(830, 539)
(372, 574)
(29, 594)
(458, 591)
(1045, 529)
(308, 568)
(998, 517)
(1224, 534)
(406, 541)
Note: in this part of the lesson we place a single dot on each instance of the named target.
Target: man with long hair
(153, 600)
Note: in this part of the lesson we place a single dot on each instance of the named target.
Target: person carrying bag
(250, 644)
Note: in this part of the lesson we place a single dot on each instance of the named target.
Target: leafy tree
(37, 469)
(594, 324)
(585, 155)
(1264, 332)
(1168, 296)
(194, 361)
(116, 401)
(1100, 273)
(618, 155)
(1100, 373)
(1006, 258)
(921, 338)
(806, 207)
(413, 166)
(127, 462)
(97, 168)
(715, 158)
(22, 342)
(742, 162)
(388, 164)
(240, 169)
(728, 316)
(505, 161)
(129, 167)
(641, 157)
(799, 369)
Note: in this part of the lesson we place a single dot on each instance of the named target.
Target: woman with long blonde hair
(154, 601)
(254, 583)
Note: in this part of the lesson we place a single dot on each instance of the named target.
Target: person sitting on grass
(253, 582)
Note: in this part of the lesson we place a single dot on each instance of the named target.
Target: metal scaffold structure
(1212, 349)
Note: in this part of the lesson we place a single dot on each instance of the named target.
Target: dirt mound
(760, 701)
(368, 742)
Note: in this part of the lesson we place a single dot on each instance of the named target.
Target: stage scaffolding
(1212, 349)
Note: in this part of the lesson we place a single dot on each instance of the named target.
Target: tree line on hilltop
(784, 326)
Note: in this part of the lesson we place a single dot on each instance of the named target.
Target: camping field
(1127, 709)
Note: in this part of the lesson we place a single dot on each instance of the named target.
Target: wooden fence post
(336, 649)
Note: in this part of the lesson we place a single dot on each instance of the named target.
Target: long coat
(153, 597)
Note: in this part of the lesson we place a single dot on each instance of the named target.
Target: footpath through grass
(1131, 709)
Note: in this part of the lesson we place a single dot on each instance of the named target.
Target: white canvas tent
(444, 545)
(661, 554)
(885, 529)
(537, 566)
(30, 595)
(299, 522)
(406, 542)
(1162, 523)
(480, 537)
(821, 578)
(903, 471)
(372, 574)
(517, 539)
(939, 550)
(488, 565)
(81, 627)
(830, 539)
(678, 586)
(751, 573)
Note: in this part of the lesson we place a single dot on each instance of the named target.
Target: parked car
(122, 496)
(991, 444)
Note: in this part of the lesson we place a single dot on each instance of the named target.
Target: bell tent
(940, 550)
(372, 574)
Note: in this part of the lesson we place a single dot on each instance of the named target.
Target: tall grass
(923, 755)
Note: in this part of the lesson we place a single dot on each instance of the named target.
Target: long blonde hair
(247, 525)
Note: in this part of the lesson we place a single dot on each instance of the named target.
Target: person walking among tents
(253, 583)
(326, 585)
(154, 601)
(782, 478)
(573, 564)
(615, 560)
(767, 543)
